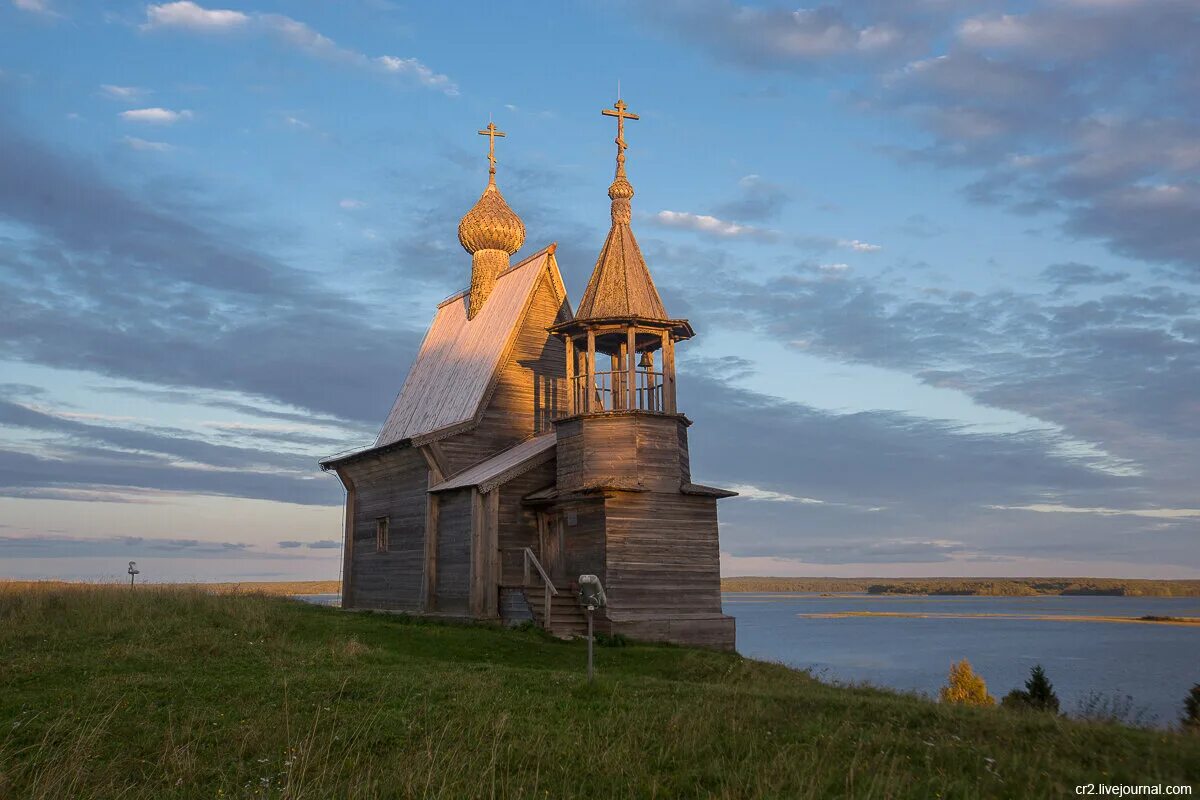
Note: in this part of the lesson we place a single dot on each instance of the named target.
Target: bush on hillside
(1038, 694)
(1191, 711)
(965, 687)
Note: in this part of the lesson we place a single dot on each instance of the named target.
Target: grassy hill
(164, 693)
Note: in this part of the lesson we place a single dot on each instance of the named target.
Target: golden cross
(491, 132)
(618, 111)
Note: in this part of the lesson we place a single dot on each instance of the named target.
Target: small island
(984, 587)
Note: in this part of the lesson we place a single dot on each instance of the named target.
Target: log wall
(453, 578)
(391, 484)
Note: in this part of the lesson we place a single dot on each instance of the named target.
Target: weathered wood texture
(663, 568)
(581, 523)
(518, 523)
(458, 358)
(621, 285)
(662, 553)
(529, 389)
(501, 467)
(392, 485)
(627, 450)
(453, 580)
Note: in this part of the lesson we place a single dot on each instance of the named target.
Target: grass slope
(165, 693)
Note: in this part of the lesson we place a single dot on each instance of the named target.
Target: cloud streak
(187, 16)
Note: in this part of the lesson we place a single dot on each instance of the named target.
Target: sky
(942, 257)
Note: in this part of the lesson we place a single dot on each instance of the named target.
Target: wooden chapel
(530, 445)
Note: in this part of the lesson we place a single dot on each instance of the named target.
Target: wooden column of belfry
(590, 383)
(631, 347)
(570, 375)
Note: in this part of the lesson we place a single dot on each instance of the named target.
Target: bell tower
(621, 399)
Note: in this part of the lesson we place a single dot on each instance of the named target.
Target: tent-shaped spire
(621, 286)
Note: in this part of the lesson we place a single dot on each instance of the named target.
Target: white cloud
(350, 204)
(155, 116)
(755, 493)
(127, 93)
(424, 75)
(1153, 513)
(859, 246)
(36, 7)
(142, 144)
(834, 268)
(703, 223)
(188, 15)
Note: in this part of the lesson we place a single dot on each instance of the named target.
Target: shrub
(1191, 711)
(1038, 694)
(965, 687)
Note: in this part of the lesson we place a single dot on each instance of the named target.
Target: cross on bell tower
(622, 317)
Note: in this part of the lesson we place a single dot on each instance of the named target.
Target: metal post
(589, 615)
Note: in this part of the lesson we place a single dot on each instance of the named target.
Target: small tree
(965, 687)
(1038, 694)
(1191, 710)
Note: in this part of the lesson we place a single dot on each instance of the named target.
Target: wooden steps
(567, 619)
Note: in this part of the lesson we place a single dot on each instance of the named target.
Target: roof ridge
(548, 250)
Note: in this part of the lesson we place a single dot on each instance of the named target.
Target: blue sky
(942, 259)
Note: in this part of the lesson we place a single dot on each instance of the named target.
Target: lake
(1152, 665)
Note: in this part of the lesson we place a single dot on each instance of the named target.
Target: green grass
(163, 693)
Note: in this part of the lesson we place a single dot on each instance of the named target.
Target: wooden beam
(590, 384)
(631, 352)
(492, 545)
(669, 373)
(429, 576)
(348, 543)
(475, 585)
(571, 388)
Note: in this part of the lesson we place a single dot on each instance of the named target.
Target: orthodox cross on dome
(491, 131)
(618, 111)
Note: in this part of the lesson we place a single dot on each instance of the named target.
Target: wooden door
(550, 533)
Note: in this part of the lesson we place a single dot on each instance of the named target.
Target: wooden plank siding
(453, 579)
(391, 484)
(529, 390)
(624, 450)
(517, 523)
(662, 557)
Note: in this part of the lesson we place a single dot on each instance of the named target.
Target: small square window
(381, 534)
(572, 517)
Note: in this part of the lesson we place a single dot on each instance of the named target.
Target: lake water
(1153, 665)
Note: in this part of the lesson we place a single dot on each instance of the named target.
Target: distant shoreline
(985, 587)
(1144, 620)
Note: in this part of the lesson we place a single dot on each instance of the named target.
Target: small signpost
(133, 570)
(591, 597)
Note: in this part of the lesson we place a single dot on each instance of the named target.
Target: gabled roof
(504, 466)
(456, 367)
(621, 285)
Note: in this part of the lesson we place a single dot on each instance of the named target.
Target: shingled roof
(621, 285)
(452, 376)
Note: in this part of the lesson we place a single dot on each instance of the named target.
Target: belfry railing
(610, 391)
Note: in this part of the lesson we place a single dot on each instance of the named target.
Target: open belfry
(531, 445)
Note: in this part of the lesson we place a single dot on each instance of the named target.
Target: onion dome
(491, 224)
(490, 232)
